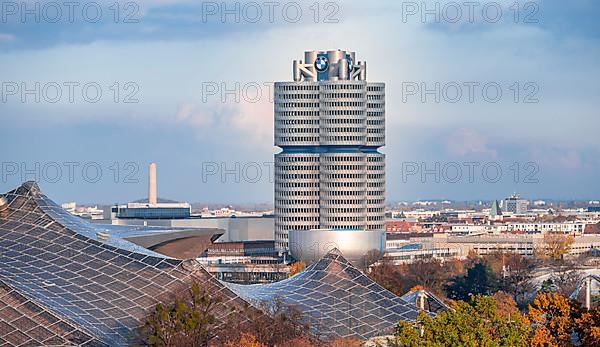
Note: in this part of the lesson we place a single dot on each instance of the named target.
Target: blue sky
(172, 51)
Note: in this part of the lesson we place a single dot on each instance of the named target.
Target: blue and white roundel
(322, 63)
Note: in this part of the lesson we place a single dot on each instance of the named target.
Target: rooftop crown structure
(330, 65)
(329, 176)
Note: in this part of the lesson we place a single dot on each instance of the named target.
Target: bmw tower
(329, 174)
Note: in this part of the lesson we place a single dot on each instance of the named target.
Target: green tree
(200, 320)
(479, 280)
(475, 324)
(188, 321)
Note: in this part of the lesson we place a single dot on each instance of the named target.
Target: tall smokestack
(152, 184)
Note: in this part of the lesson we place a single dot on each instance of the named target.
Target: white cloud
(558, 158)
(194, 115)
(7, 37)
(468, 141)
(247, 124)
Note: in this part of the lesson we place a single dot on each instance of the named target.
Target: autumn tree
(301, 342)
(343, 342)
(587, 327)
(370, 258)
(388, 276)
(332, 342)
(197, 319)
(551, 316)
(245, 340)
(554, 246)
(297, 267)
(431, 274)
(282, 323)
(551, 321)
(283, 326)
(505, 304)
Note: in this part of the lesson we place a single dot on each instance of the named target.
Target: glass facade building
(154, 212)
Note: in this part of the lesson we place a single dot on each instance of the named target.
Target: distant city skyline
(171, 57)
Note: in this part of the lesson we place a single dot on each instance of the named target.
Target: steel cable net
(66, 281)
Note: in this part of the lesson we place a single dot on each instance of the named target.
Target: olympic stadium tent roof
(337, 298)
(60, 284)
(65, 281)
(433, 304)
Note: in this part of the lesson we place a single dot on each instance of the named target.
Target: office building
(329, 175)
(514, 205)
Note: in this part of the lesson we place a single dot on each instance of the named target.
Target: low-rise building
(409, 247)
(247, 262)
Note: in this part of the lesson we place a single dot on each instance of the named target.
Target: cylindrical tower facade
(296, 194)
(329, 124)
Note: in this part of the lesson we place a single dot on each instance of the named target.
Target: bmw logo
(322, 63)
(350, 63)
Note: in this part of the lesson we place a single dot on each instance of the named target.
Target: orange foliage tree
(555, 246)
(551, 317)
(246, 340)
(297, 267)
(587, 327)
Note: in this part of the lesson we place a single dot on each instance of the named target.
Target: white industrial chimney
(152, 184)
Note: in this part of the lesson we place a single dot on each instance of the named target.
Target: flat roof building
(152, 207)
